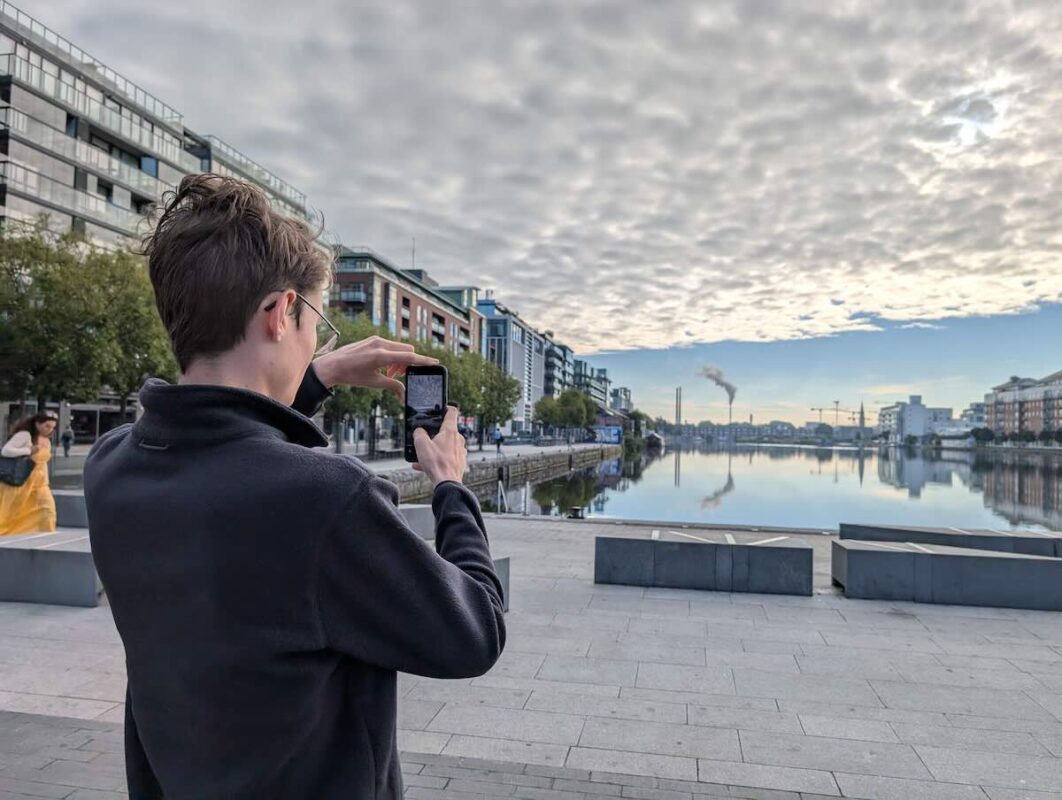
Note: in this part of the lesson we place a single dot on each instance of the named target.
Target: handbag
(15, 471)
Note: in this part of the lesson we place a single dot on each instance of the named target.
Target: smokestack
(715, 375)
(678, 405)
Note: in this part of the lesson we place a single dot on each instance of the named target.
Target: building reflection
(1022, 488)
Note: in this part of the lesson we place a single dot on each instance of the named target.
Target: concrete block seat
(932, 573)
(706, 560)
(1032, 543)
(57, 567)
(49, 568)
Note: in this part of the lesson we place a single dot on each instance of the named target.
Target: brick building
(1025, 404)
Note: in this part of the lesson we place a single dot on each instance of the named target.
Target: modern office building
(519, 351)
(912, 418)
(407, 303)
(1025, 404)
(90, 150)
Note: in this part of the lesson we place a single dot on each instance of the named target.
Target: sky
(850, 200)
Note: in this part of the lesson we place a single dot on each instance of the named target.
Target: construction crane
(837, 411)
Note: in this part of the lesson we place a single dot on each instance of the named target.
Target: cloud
(634, 174)
(927, 326)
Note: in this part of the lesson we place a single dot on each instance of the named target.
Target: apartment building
(912, 418)
(594, 382)
(88, 149)
(1025, 404)
(620, 399)
(408, 303)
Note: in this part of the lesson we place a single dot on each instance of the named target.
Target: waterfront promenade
(629, 692)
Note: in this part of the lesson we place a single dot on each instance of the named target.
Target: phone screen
(425, 404)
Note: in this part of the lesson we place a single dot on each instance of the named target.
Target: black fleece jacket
(267, 594)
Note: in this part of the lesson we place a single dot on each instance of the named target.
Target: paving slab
(813, 683)
(1036, 543)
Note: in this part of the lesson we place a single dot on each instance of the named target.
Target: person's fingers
(377, 380)
(406, 358)
(389, 344)
(396, 371)
(420, 436)
(417, 467)
(450, 421)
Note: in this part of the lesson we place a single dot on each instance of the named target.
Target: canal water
(810, 487)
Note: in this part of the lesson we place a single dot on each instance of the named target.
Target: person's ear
(277, 316)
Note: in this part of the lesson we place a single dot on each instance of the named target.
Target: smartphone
(425, 403)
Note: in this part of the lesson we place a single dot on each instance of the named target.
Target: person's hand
(443, 458)
(35, 449)
(373, 363)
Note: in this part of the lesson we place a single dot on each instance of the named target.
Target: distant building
(520, 352)
(1025, 404)
(912, 418)
(406, 303)
(974, 415)
(621, 399)
(560, 366)
(593, 382)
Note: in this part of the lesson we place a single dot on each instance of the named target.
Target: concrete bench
(1030, 543)
(49, 568)
(932, 573)
(70, 508)
(707, 561)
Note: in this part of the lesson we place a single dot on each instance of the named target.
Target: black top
(267, 593)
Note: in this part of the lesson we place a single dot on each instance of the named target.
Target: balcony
(353, 296)
(252, 169)
(405, 313)
(438, 328)
(73, 54)
(68, 199)
(56, 141)
(49, 85)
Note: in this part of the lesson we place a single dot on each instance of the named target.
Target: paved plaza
(612, 691)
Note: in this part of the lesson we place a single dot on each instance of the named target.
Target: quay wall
(414, 485)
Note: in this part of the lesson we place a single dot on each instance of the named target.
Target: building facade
(519, 351)
(912, 418)
(90, 151)
(593, 382)
(974, 416)
(408, 304)
(1025, 404)
(560, 367)
(621, 399)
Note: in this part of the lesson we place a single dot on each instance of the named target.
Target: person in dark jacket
(267, 590)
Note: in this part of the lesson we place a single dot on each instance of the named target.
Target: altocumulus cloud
(635, 174)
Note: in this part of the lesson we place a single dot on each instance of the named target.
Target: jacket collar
(191, 415)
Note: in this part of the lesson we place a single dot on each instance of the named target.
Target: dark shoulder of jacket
(107, 442)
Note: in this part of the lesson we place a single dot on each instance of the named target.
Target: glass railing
(68, 199)
(86, 63)
(163, 145)
(252, 169)
(81, 151)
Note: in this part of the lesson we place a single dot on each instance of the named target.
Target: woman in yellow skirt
(29, 508)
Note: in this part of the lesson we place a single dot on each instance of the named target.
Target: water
(808, 487)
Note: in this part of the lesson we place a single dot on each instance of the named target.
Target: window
(150, 165)
(71, 125)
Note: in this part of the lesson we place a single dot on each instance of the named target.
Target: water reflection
(814, 487)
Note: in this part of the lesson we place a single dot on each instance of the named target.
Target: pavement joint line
(886, 546)
(67, 541)
(656, 534)
(730, 538)
(917, 546)
(691, 536)
(769, 541)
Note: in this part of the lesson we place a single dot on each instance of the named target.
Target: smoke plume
(715, 375)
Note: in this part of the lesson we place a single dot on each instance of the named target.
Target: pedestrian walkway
(623, 691)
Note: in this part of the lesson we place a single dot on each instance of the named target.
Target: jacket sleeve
(21, 444)
(386, 598)
(311, 393)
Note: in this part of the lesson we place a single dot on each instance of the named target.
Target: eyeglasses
(326, 331)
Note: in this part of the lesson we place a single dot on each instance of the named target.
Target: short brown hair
(216, 250)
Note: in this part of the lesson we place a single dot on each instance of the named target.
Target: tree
(547, 412)
(499, 394)
(639, 422)
(910, 440)
(1028, 436)
(351, 401)
(53, 318)
(1046, 436)
(574, 409)
(983, 435)
(1058, 436)
(132, 322)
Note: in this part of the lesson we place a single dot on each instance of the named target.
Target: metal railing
(165, 145)
(23, 22)
(67, 198)
(252, 169)
(81, 151)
